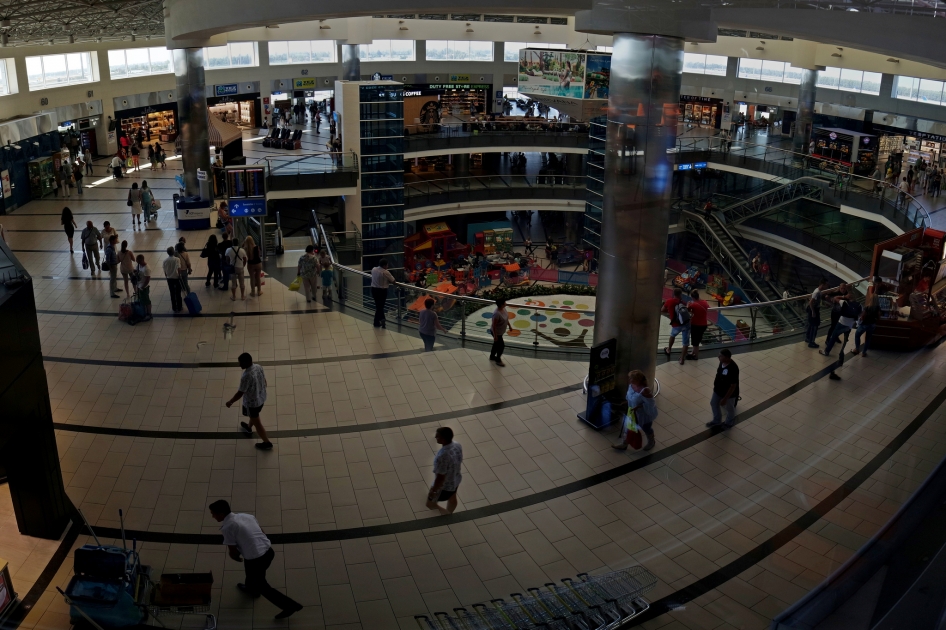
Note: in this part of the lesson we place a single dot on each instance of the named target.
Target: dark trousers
(256, 583)
(496, 352)
(813, 323)
(215, 273)
(226, 278)
(174, 286)
(379, 295)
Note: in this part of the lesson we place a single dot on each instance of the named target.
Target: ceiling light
(322, 26)
(759, 48)
(272, 26)
(132, 37)
(838, 55)
(537, 31)
(402, 27)
(762, 40)
(468, 29)
(892, 60)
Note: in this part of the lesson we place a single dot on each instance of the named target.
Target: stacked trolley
(589, 602)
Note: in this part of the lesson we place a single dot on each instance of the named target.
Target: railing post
(535, 340)
(462, 323)
(397, 295)
(752, 314)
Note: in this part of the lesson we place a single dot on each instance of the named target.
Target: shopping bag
(129, 163)
(296, 284)
(156, 205)
(85, 261)
(124, 311)
(633, 437)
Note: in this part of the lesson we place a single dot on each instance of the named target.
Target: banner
(230, 89)
(304, 84)
(552, 72)
(597, 76)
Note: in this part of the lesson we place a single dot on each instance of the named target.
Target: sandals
(667, 351)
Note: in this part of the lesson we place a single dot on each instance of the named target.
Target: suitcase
(192, 303)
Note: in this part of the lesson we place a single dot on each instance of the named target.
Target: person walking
(498, 326)
(69, 225)
(640, 400)
(211, 253)
(254, 262)
(111, 260)
(328, 278)
(108, 231)
(180, 250)
(225, 267)
(429, 325)
(677, 311)
(87, 157)
(91, 242)
(835, 301)
(77, 175)
(447, 464)
(173, 266)
(147, 201)
(725, 390)
(143, 271)
(848, 313)
(65, 174)
(236, 258)
(698, 322)
(126, 264)
(813, 309)
(381, 279)
(135, 155)
(247, 543)
(868, 323)
(308, 270)
(134, 202)
(253, 392)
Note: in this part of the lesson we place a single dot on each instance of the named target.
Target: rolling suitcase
(192, 303)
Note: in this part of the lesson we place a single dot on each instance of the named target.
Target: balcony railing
(480, 188)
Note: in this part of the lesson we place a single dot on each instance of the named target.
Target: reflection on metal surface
(806, 110)
(192, 119)
(642, 124)
(351, 63)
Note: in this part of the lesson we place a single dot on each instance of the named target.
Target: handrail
(300, 159)
(715, 144)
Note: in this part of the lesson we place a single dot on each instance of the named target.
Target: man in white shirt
(447, 464)
(381, 279)
(253, 392)
(172, 271)
(236, 256)
(243, 537)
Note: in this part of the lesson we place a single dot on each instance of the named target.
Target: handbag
(124, 311)
(85, 261)
(633, 437)
(156, 205)
(296, 284)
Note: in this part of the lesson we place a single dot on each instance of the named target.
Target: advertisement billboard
(552, 72)
(597, 76)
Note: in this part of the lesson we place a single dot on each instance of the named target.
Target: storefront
(85, 128)
(237, 103)
(848, 148)
(701, 111)
(457, 100)
(910, 287)
(157, 123)
(911, 146)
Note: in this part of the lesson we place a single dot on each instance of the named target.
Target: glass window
(450, 50)
(324, 51)
(232, 55)
(773, 71)
(750, 69)
(511, 49)
(930, 91)
(299, 52)
(609, 49)
(54, 70)
(792, 74)
(136, 62)
(481, 51)
(4, 84)
(387, 50)
(906, 88)
(716, 65)
(278, 53)
(693, 63)
(829, 78)
(850, 80)
(871, 84)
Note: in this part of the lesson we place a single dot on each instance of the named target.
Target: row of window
(922, 90)
(833, 78)
(705, 64)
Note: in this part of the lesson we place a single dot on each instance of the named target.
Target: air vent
(403, 16)
(730, 32)
(531, 19)
(432, 16)
(465, 17)
(756, 35)
(499, 18)
(561, 21)
(787, 39)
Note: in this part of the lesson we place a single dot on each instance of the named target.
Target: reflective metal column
(192, 120)
(806, 111)
(642, 125)
(351, 63)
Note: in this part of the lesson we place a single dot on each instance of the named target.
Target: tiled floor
(354, 446)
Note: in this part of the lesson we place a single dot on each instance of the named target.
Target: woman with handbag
(213, 260)
(255, 263)
(126, 264)
(134, 202)
(147, 201)
(641, 410)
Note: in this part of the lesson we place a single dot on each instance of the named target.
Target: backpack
(682, 313)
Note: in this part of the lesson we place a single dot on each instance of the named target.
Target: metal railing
(447, 190)
(791, 165)
(504, 127)
(309, 163)
(539, 325)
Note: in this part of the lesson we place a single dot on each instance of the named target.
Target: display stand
(910, 287)
(192, 215)
(601, 381)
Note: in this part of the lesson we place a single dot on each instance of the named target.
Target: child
(328, 276)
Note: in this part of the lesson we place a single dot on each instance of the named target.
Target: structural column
(806, 111)
(351, 63)
(642, 123)
(192, 117)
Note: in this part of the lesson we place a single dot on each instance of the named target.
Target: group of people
(846, 315)
(688, 319)
(71, 172)
(141, 201)
(316, 272)
(229, 261)
(129, 159)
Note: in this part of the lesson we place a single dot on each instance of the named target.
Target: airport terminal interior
(572, 316)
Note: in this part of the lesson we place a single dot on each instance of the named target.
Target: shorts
(252, 412)
(445, 494)
(676, 330)
(697, 332)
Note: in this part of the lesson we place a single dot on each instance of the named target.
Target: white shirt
(381, 278)
(243, 531)
(236, 255)
(172, 267)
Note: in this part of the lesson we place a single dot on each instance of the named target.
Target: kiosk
(909, 283)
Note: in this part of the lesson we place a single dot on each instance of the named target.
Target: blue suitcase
(192, 303)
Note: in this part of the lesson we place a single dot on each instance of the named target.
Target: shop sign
(387, 77)
(229, 89)
(247, 207)
(833, 136)
(458, 86)
(684, 98)
(459, 78)
(304, 84)
(201, 175)
(5, 190)
(412, 93)
(690, 167)
(922, 135)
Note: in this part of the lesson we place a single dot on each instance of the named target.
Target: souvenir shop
(928, 146)
(243, 110)
(909, 285)
(848, 148)
(157, 122)
(701, 111)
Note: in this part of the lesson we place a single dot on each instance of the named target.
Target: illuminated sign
(303, 84)
(225, 90)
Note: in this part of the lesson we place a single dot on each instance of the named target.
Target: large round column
(642, 123)
(351, 63)
(192, 119)
(806, 111)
